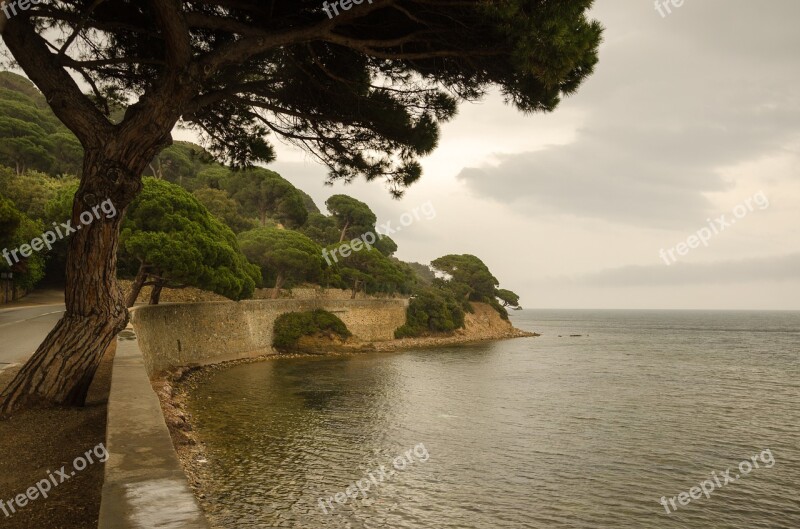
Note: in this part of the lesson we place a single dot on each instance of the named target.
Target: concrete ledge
(184, 334)
(145, 486)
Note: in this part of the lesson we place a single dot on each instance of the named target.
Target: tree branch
(175, 30)
(71, 105)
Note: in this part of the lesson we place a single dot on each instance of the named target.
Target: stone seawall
(205, 333)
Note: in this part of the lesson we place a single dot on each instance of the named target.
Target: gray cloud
(780, 268)
(669, 106)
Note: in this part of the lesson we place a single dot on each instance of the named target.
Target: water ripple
(534, 433)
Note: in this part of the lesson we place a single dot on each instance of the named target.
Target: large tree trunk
(115, 156)
(62, 368)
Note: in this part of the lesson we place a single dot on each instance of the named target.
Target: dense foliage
(286, 257)
(265, 194)
(225, 209)
(31, 136)
(508, 298)
(170, 238)
(370, 271)
(364, 92)
(470, 280)
(16, 229)
(353, 217)
(321, 229)
(290, 327)
(33, 194)
(431, 310)
(243, 200)
(469, 273)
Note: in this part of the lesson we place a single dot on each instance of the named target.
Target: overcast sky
(686, 118)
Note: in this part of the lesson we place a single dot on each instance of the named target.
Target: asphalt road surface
(24, 324)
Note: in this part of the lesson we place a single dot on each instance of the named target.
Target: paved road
(24, 324)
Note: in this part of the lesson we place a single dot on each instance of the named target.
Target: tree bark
(155, 294)
(344, 230)
(115, 156)
(278, 284)
(136, 286)
(63, 367)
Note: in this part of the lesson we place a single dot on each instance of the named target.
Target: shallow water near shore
(574, 431)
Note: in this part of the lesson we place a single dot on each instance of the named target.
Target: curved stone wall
(203, 333)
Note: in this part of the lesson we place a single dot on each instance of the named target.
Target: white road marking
(33, 318)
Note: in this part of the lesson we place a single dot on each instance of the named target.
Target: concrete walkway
(145, 486)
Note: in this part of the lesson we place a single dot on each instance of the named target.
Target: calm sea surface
(548, 432)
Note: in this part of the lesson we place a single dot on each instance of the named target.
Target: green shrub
(432, 310)
(291, 326)
(16, 229)
(498, 307)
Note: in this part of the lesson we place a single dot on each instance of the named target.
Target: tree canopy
(509, 298)
(265, 194)
(353, 217)
(369, 270)
(283, 255)
(31, 192)
(177, 162)
(431, 310)
(470, 271)
(321, 229)
(386, 245)
(174, 241)
(16, 229)
(225, 208)
(364, 92)
(469, 279)
(31, 137)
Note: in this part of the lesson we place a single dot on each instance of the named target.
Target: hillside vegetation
(199, 223)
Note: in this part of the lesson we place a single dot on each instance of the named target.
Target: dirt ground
(36, 442)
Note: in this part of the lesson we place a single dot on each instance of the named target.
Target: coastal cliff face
(483, 324)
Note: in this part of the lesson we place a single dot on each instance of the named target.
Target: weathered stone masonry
(204, 333)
